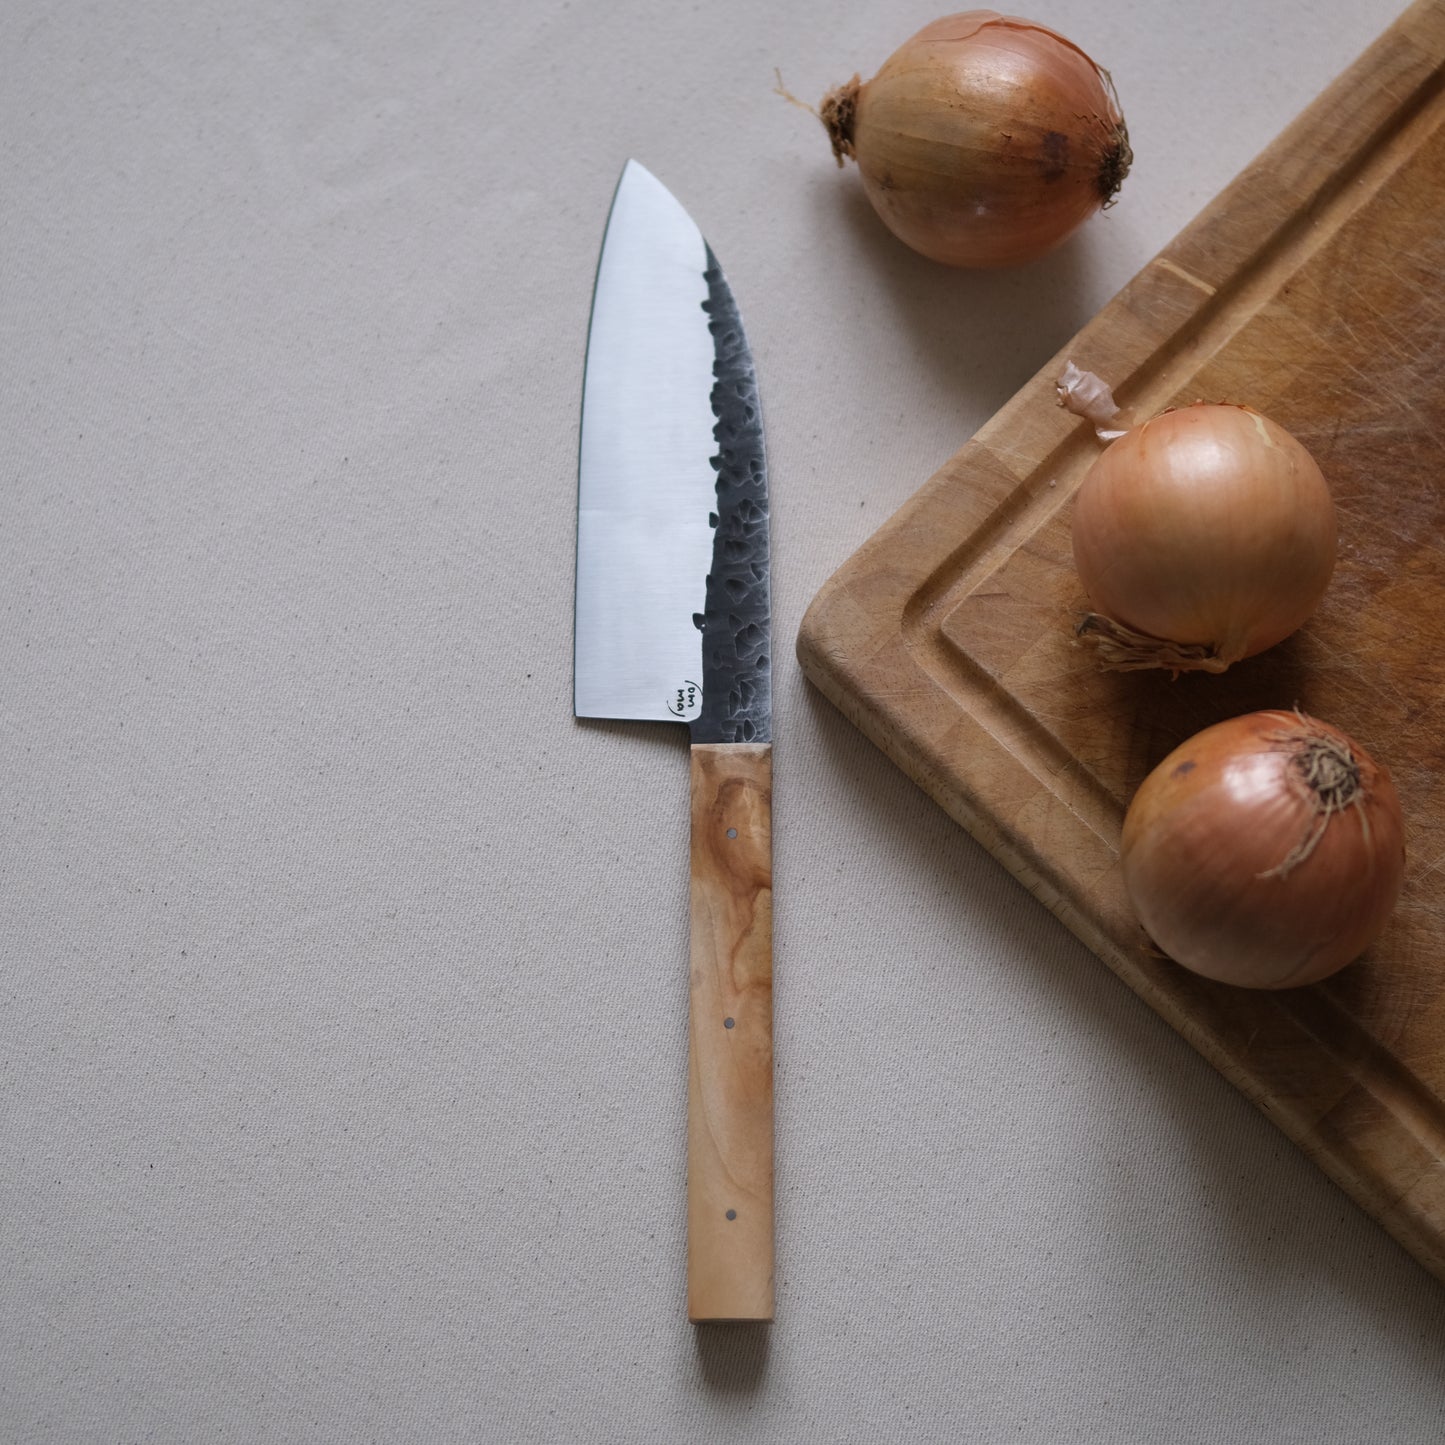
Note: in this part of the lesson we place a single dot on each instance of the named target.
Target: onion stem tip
(782, 90)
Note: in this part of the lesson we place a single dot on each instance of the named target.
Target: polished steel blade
(672, 521)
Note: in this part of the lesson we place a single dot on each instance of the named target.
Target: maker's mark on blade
(736, 622)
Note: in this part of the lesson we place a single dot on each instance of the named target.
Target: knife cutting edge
(673, 623)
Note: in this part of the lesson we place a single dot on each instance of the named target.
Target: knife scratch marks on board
(1165, 264)
(1424, 872)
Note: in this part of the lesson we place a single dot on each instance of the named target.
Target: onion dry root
(984, 140)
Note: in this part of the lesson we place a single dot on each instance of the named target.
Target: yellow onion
(1202, 537)
(1267, 851)
(984, 140)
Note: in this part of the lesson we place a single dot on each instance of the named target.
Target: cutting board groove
(1309, 289)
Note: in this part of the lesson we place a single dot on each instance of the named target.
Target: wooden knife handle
(730, 1064)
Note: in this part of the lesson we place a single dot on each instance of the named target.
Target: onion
(1267, 851)
(984, 140)
(1202, 537)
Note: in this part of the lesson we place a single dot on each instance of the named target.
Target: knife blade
(673, 624)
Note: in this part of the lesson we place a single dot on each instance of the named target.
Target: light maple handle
(730, 1064)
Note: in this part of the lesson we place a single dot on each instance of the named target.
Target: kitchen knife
(673, 624)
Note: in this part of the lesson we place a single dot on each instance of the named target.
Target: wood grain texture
(730, 1065)
(1309, 289)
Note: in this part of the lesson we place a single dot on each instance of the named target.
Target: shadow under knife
(733, 1357)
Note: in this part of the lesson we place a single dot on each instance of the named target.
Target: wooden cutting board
(1311, 289)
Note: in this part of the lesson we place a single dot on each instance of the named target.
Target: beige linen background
(342, 973)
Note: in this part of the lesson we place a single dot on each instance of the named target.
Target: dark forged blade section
(736, 623)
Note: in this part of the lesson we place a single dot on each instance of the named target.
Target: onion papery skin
(1235, 870)
(1204, 536)
(984, 140)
